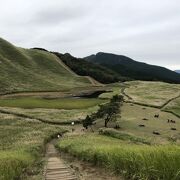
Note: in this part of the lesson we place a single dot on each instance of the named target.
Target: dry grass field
(54, 115)
(152, 93)
(22, 139)
(22, 146)
(132, 116)
(173, 106)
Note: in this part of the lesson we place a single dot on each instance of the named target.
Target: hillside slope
(127, 67)
(34, 70)
(85, 68)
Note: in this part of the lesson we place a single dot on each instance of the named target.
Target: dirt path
(87, 171)
(124, 93)
(49, 94)
(172, 99)
(37, 119)
(59, 61)
(55, 168)
(92, 80)
(130, 100)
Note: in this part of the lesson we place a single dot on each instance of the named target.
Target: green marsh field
(63, 103)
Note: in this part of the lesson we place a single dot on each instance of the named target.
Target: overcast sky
(147, 31)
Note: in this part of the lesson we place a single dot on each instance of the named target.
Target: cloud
(144, 30)
(56, 15)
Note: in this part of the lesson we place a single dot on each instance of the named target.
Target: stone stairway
(56, 169)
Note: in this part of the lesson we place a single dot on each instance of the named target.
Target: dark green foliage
(109, 110)
(85, 68)
(42, 49)
(127, 67)
(88, 122)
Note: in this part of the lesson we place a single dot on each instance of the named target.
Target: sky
(146, 31)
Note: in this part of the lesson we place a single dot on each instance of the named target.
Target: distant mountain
(177, 71)
(128, 67)
(85, 68)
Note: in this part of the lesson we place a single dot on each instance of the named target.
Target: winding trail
(124, 94)
(161, 108)
(55, 168)
(167, 102)
(91, 80)
(130, 99)
(39, 119)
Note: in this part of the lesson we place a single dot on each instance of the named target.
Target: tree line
(85, 68)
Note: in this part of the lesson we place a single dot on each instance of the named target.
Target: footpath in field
(56, 169)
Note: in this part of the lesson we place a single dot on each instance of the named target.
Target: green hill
(34, 70)
(85, 68)
(127, 67)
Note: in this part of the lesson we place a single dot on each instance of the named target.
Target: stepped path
(55, 168)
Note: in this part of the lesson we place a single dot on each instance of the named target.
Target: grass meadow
(115, 88)
(132, 116)
(22, 146)
(152, 93)
(123, 157)
(54, 115)
(132, 151)
(173, 107)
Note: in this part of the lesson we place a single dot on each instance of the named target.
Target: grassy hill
(34, 70)
(127, 67)
(85, 68)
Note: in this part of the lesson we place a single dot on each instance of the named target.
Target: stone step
(60, 175)
(63, 178)
(56, 168)
(71, 178)
(58, 172)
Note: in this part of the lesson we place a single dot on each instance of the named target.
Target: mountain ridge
(128, 67)
(85, 68)
(177, 71)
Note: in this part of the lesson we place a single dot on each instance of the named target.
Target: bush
(123, 136)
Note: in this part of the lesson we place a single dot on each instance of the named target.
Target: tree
(107, 111)
(111, 109)
(117, 98)
(87, 122)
